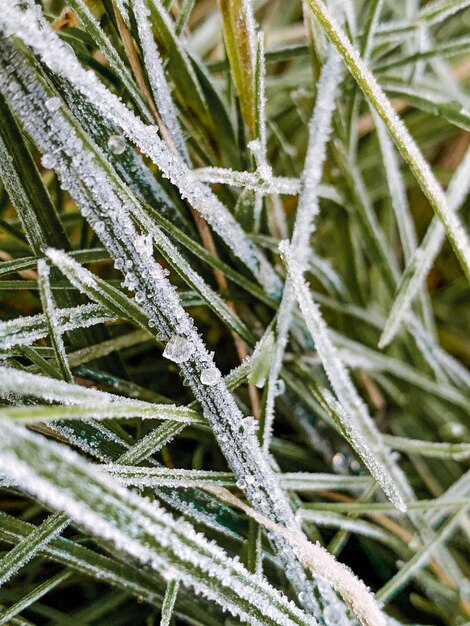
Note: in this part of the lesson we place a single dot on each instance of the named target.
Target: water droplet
(355, 466)
(339, 463)
(210, 376)
(53, 104)
(117, 144)
(241, 484)
(454, 430)
(178, 349)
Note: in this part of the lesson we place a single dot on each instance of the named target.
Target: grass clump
(234, 295)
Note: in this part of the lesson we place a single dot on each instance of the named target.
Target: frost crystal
(53, 104)
(178, 349)
(117, 144)
(210, 376)
(48, 161)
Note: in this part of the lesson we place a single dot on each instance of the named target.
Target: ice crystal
(53, 104)
(210, 376)
(178, 349)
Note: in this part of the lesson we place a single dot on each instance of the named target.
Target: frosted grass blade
(423, 258)
(142, 529)
(355, 418)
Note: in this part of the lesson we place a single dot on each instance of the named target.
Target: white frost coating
(158, 83)
(81, 172)
(421, 262)
(355, 419)
(400, 134)
(307, 210)
(24, 331)
(63, 480)
(31, 27)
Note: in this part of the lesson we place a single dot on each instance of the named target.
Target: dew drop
(117, 144)
(178, 349)
(454, 430)
(339, 463)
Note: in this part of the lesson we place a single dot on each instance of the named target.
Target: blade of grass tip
(48, 305)
(419, 560)
(169, 602)
(455, 230)
(64, 480)
(63, 61)
(419, 265)
(355, 419)
(319, 134)
(30, 546)
(156, 295)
